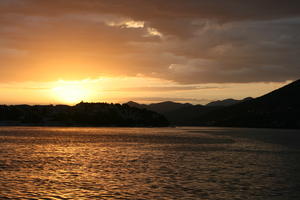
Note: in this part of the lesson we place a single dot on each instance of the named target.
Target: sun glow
(71, 93)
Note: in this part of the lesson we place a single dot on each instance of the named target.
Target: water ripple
(140, 163)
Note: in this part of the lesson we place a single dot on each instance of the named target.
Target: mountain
(227, 102)
(187, 116)
(136, 105)
(162, 107)
(184, 113)
(277, 109)
(82, 114)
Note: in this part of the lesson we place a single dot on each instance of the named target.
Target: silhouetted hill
(82, 114)
(187, 116)
(136, 105)
(277, 109)
(167, 106)
(184, 113)
(162, 107)
(227, 102)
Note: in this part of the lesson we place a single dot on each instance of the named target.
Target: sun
(71, 93)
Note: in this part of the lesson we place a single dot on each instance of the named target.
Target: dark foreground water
(149, 163)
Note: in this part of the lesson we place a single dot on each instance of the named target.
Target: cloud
(188, 42)
(148, 9)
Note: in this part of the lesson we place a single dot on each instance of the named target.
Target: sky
(197, 51)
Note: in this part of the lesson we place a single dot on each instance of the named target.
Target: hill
(187, 116)
(227, 102)
(277, 109)
(162, 107)
(185, 113)
(82, 114)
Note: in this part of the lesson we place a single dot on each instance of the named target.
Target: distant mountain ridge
(184, 113)
(170, 106)
(277, 109)
(227, 102)
(162, 107)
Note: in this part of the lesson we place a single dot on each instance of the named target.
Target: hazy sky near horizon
(63, 51)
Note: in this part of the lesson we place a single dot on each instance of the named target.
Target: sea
(205, 163)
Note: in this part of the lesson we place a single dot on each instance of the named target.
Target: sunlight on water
(147, 163)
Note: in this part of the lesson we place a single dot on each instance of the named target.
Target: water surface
(149, 163)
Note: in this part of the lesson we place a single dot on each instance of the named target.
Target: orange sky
(147, 51)
(123, 89)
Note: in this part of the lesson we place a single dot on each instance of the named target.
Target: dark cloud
(191, 41)
(223, 10)
(169, 16)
